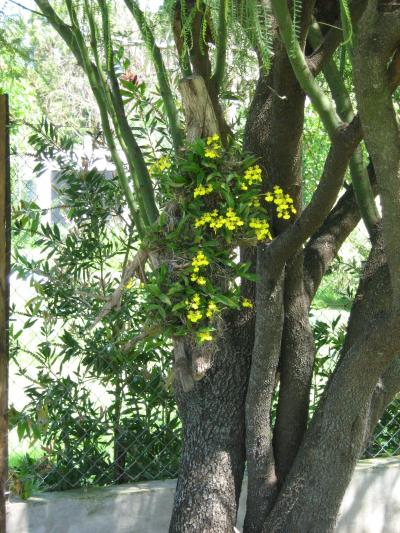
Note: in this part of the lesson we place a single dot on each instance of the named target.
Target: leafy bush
(100, 408)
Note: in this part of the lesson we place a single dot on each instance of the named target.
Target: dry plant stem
(135, 267)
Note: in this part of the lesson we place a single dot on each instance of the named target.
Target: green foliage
(25, 474)
(133, 432)
(214, 204)
(329, 337)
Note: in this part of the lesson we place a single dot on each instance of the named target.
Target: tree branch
(136, 266)
(286, 244)
(305, 77)
(219, 72)
(161, 72)
(140, 173)
(262, 480)
(326, 242)
(359, 176)
(70, 39)
(324, 52)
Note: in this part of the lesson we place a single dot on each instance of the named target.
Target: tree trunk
(213, 456)
(310, 498)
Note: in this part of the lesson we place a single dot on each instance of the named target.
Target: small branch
(325, 244)
(359, 176)
(220, 65)
(324, 52)
(154, 331)
(136, 266)
(305, 77)
(182, 365)
(161, 72)
(27, 8)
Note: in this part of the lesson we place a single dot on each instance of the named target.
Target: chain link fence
(89, 418)
(81, 414)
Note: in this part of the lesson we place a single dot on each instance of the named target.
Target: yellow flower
(199, 261)
(211, 309)
(129, 285)
(194, 316)
(246, 303)
(261, 228)
(204, 336)
(201, 190)
(283, 202)
(269, 197)
(163, 164)
(252, 175)
(211, 154)
(213, 147)
(195, 303)
(215, 221)
(201, 280)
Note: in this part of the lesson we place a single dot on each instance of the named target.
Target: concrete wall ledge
(371, 505)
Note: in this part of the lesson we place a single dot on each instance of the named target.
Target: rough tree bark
(213, 454)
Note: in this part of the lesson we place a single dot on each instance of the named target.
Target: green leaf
(225, 300)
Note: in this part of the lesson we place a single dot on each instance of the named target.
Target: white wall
(371, 505)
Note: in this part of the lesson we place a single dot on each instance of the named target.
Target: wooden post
(5, 205)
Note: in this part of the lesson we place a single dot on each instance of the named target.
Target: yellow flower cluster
(261, 228)
(283, 202)
(201, 190)
(204, 336)
(194, 314)
(246, 303)
(252, 175)
(199, 261)
(215, 221)
(254, 202)
(211, 309)
(213, 147)
(162, 164)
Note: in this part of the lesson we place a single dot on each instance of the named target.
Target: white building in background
(44, 189)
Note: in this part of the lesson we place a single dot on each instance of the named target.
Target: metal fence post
(5, 205)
